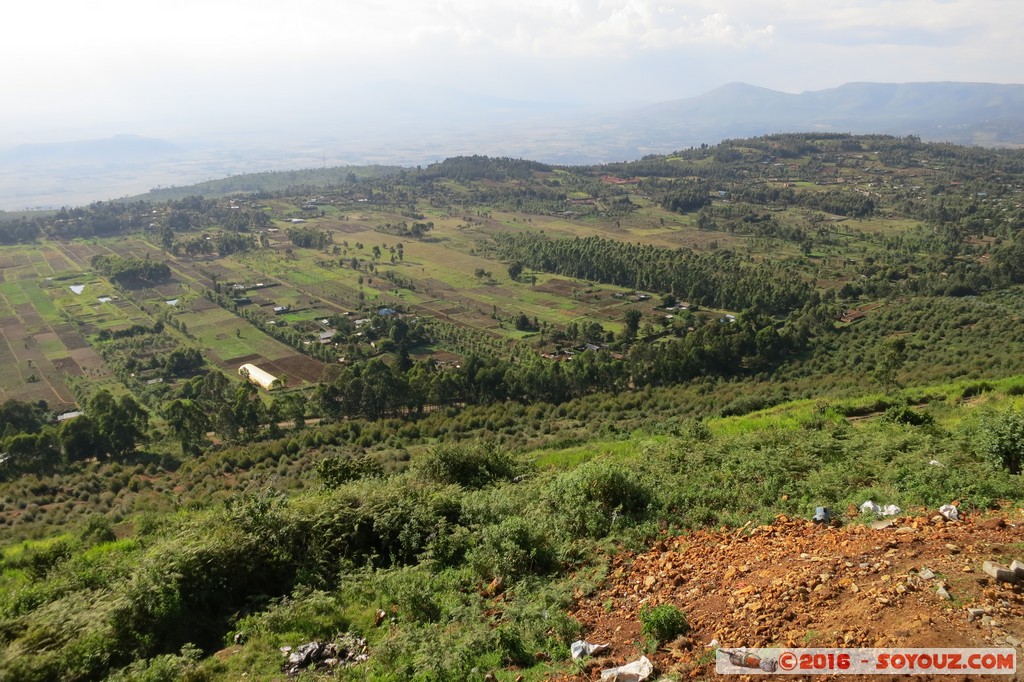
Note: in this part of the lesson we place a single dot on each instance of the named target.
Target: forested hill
(405, 420)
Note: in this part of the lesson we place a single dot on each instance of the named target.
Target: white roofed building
(260, 377)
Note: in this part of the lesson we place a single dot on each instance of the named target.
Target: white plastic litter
(637, 671)
(870, 507)
(579, 648)
(935, 463)
(950, 512)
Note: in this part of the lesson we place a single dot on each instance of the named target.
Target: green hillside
(492, 378)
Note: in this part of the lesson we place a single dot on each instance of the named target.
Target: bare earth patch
(797, 584)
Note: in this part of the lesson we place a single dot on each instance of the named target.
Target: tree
(515, 268)
(189, 423)
(894, 354)
(78, 438)
(632, 318)
(120, 423)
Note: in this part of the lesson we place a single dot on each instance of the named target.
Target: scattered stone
(953, 549)
(943, 593)
(1018, 569)
(345, 650)
(926, 574)
(882, 524)
(904, 530)
(998, 572)
(974, 613)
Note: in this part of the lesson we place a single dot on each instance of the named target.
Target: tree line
(721, 279)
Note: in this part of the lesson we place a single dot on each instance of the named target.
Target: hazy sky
(170, 67)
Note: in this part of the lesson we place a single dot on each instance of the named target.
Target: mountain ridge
(990, 114)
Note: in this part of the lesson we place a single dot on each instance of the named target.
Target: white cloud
(119, 59)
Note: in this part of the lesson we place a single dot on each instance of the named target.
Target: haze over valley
(431, 126)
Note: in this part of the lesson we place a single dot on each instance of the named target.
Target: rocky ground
(911, 581)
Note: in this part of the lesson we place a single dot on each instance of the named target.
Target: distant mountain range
(964, 113)
(414, 126)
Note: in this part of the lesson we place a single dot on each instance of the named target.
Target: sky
(164, 68)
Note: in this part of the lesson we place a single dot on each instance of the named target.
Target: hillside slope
(797, 584)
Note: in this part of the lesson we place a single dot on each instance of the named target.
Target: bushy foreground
(462, 564)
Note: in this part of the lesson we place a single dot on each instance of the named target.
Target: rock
(903, 530)
(882, 524)
(925, 574)
(998, 572)
(992, 524)
(938, 519)
(943, 593)
(953, 549)
(346, 650)
(974, 613)
(1018, 569)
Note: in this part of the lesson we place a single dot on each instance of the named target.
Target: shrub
(467, 466)
(336, 470)
(590, 500)
(1003, 439)
(902, 414)
(662, 623)
(511, 549)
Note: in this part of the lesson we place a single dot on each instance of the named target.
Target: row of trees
(33, 443)
(721, 279)
(375, 389)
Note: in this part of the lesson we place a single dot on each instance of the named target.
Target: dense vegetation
(718, 335)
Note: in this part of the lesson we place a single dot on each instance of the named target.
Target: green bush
(1003, 439)
(592, 499)
(97, 529)
(662, 623)
(510, 550)
(336, 470)
(468, 466)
